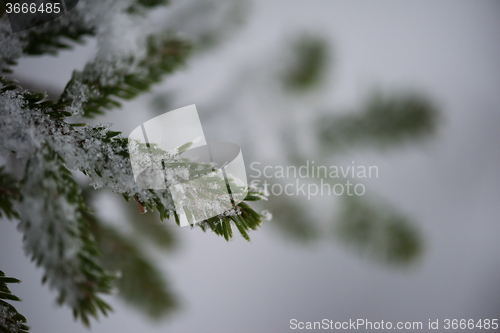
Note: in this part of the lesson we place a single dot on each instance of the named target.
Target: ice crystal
(267, 215)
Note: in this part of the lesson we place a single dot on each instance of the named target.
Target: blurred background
(410, 87)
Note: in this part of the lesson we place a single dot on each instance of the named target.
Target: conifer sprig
(11, 321)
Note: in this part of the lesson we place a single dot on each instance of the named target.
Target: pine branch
(244, 219)
(308, 68)
(91, 93)
(48, 38)
(56, 223)
(113, 163)
(11, 321)
(100, 154)
(57, 237)
(384, 121)
(59, 34)
(121, 254)
(55, 37)
(51, 208)
(378, 232)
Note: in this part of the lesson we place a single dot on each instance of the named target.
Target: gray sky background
(450, 185)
